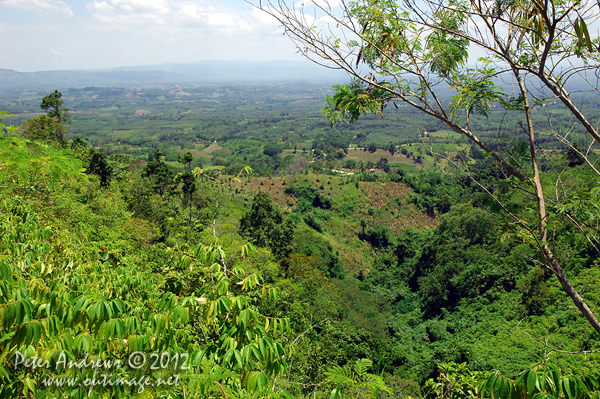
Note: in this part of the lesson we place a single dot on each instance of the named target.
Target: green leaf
(287, 395)
(335, 393)
(531, 382)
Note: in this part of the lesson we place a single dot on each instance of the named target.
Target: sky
(42, 35)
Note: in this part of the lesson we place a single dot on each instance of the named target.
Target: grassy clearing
(211, 148)
(359, 155)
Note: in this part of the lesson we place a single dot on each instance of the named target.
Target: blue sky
(37, 35)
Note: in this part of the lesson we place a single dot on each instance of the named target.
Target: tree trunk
(542, 222)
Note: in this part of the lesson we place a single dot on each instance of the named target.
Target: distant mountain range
(206, 72)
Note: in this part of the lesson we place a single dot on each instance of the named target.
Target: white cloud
(55, 52)
(156, 16)
(127, 13)
(46, 8)
(190, 14)
(325, 4)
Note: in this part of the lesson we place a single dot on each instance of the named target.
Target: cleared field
(365, 156)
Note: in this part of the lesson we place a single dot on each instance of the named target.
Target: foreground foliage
(70, 297)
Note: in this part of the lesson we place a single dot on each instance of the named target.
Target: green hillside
(344, 268)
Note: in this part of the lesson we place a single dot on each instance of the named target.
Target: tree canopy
(44, 128)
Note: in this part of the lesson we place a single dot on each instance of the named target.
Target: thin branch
(550, 346)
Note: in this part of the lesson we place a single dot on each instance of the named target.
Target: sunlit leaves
(352, 101)
(455, 381)
(447, 49)
(584, 41)
(541, 382)
(582, 206)
(475, 93)
(4, 129)
(356, 381)
(20, 163)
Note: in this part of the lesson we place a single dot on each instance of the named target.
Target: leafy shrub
(433, 193)
(321, 201)
(272, 149)
(379, 237)
(313, 222)
(347, 208)
(299, 191)
(309, 243)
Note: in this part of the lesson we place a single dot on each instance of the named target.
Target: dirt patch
(379, 194)
(274, 186)
(142, 112)
(393, 196)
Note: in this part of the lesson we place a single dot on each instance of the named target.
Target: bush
(321, 201)
(379, 237)
(309, 243)
(272, 149)
(313, 222)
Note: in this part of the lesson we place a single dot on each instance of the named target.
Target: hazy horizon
(165, 65)
(201, 72)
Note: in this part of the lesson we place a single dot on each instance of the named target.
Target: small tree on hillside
(188, 185)
(272, 149)
(100, 167)
(392, 148)
(52, 104)
(159, 172)
(267, 227)
(574, 155)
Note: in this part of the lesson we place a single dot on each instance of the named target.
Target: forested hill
(275, 257)
(174, 73)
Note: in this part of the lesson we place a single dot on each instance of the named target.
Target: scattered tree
(382, 164)
(272, 149)
(186, 159)
(267, 227)
(392, 149)
(188, 185)
(99, 166)
(160, 173)
(52, 104)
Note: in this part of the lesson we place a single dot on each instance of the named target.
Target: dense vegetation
(336, 264)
